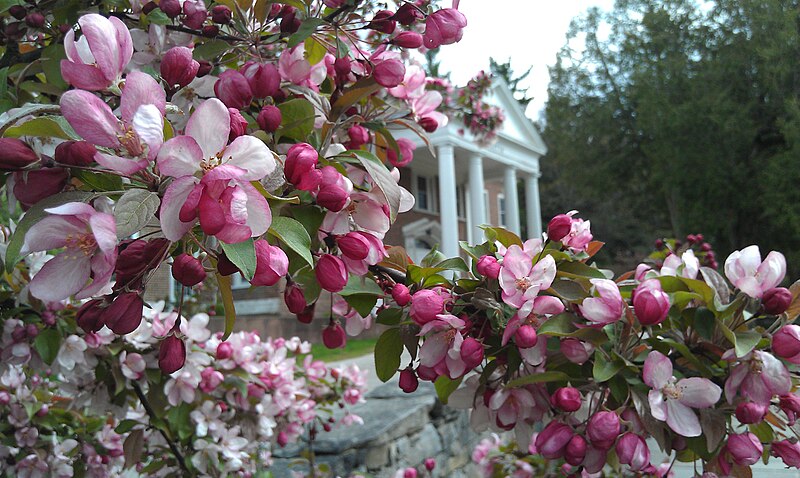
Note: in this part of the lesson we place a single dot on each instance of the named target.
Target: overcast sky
(530, 32)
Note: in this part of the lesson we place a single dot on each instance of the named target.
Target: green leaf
(362, 303)
(243, 256)
(763, 431)
(308, 27)
(568, 290)
(579, 269)
(544, 377)
(603, 368)
(506, 237)
(125, 426)
(383, 180)
(561, 325)
(158, 17)
(225, 290)
(445, 387)
(360, 285)
(360, 90)
(389, 316)
(388, 350)
(133, 447)
(47, 344)
(294, 235)
(453, 264)
(704, 322)
(746, 341)
(210, 49)
(98, 181)
(34, 215)
(134, 210)
(43, 127)
(297, 119)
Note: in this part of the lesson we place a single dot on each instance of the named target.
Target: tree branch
(152, 414)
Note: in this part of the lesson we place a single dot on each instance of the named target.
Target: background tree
(504, 71)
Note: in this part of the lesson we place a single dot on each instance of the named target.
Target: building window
(426, 193)
(501, 210)
(461, 201)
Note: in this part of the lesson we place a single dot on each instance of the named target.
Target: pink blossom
(132, 365)
(544, 305)
(511, 405)
(442, 349)
(672, 400)
(412, 86)
(576, 351)
(632, 450)
(90, 251)
(579, 235)
(749, 274)
(444, 27)
(294, 68)
(685, 266)
(758, 376)
(553, 440)
(787, 451)
(99, 57)
(427, 304)
(522, 281)
(607, 307)
(650, 302)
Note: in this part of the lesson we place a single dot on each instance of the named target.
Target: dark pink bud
(559, 227)
(382, 22)
(410, 473)
(221, 14)
(225, 267)
(353, 245)
(124, 314)
(603, 429)
(389, 73)
(776, 300)
(745, 449)
(290, 23)
(75, 153)
(32, 331)
(430, 464)
(790, 404)
(294, 298)
(576, 351)
(575, 451)
(307, 315)
(567, 399)
(5, 397)
(407, 14)
(17, 11)
(408, 381)
(359, 136)
(650, 303)
(233, 89)
(401, 295)
(751, 412)
(171, 354)
(31, 187)
(331, 273)
(301, 160)
(428, 124)
(659, 244)
(269, 118)
(205, 68)
(238, 124)
(406, 147)
(525, 337)
(271, 264)
(188, 270)
(552, 442)
(196, 13)
(427, 373)
(471, 353)
(283, 439)
(786, 341)
(632, 450)
(90, 317)
(787, 451)
(19, 334)
(224, 350)
(15, 154)
(408, 40)
(178, 67)
(333, 336)
(34, 20)
(210, 379)
(263, 78)
(172, 8)
(488, 267)
(444, 27)
(426, 304)
(342, 67)
(332, 197)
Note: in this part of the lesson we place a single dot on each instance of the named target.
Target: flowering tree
(253, 138)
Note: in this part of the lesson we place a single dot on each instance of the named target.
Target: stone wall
(400, 430)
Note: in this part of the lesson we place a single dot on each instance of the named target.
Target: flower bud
(786, 341)
(171, 354)
(188, 270)
(428, 123)
(603, 429)
(342, 67)
(410, 473)
(650, 302)
(307, 315)
(525, 337)
(426, 304)
(382, 22)
(224, 351)
(471, 353)
(333, 336)
(745, 449)
(225, 267)
(559, 227)
(776, 300)
(31, 331)
(353, 245)
(290, 23)
(359, 136)
(124, 314)
(90, 317)
(408, 381)
(408, 40)
(210, 379)
(238, 124)
(172, 8)
(205, 68)
(221, 14)
(271, 264)
(389, 73)
(407, 14)
(575, 451)
(263, 78)
(269, 118)
(632, 450)
(430, 464)
(406, 148)
(34, 20)
(332, 197)
(233, 89)
(331, 273)
(567, 399)
(488, 267)
(333, 3)
(576, 351)
(790, 404)
(17, 11)
(134, 259)
(75, 153)
(301, 160)
(178, 67)
(787, 451)
(751, 412)
(15, 154)
(552, 441)
(294, 298)
(31, 187)
(401, 295)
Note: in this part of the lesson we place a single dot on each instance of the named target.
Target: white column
(512, 200)
(532, 210)
(476, 202)
(448, 211)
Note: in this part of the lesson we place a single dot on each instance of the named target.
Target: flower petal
(699, 392)
(91, 118)
(51, 233)
(141, 89)
(210, 126)
(101, 35)
(61, 277)
(123, 165)
(148, 123)
(259, 215)
(104, 229)
(657, 370)
(174, 197)
(252, 155)
(682, 419)
(657, 406)
(86, 77)
(102, 270)
(180, 156)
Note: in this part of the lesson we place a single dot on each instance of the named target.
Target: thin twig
(152, 414)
